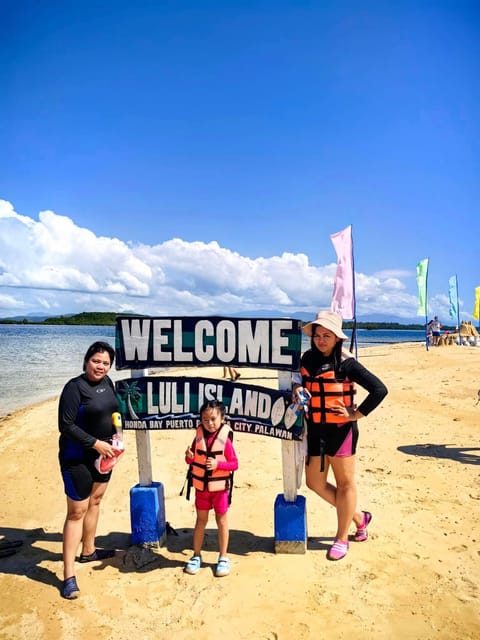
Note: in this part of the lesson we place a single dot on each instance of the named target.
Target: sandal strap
(223, 566)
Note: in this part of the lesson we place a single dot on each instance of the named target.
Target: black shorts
(79, 476)
(334, 440)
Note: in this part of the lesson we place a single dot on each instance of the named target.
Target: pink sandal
(338, 550)
(361, 534)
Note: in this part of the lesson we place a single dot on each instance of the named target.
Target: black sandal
(98, 554)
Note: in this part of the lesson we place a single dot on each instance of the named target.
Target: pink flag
(343, 299)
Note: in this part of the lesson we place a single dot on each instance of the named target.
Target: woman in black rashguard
(329, 374)
(85, 424)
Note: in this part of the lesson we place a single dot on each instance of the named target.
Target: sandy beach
(418, 575)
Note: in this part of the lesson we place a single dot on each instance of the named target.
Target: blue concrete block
(290, 525)
(147, 514)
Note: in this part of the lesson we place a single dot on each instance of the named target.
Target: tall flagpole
(458, 311)
(426, 305)
(426, 316)
(354, 330)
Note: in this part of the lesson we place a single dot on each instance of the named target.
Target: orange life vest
(201, 478)
(326, 389)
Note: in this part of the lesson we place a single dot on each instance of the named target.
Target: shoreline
(362, 352)
(45, 395)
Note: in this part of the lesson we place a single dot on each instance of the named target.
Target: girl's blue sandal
(223, 567)
(193, 565)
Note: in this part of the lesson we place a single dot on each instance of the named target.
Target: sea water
(37, 360)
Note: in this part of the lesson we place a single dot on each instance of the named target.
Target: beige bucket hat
(329, 320)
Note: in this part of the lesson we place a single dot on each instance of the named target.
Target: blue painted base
(147, 514)
(290, 525)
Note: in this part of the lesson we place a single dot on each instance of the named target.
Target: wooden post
(290, 508)
(144, 454)
(292, 460)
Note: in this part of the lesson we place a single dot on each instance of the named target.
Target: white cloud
(8, 302)
(55, 266)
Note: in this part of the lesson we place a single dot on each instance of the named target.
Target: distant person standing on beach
(430, 332)
(212, 461)
(85, 413)
(329, 374)
(436, 328)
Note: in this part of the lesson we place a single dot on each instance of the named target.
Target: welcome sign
(156, 403)
(145, 342)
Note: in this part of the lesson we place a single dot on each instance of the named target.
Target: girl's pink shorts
(217, 500)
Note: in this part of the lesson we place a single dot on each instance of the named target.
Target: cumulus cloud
(55, 266)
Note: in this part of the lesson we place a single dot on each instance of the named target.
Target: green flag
(422, 272)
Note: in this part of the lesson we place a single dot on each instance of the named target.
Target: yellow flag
(476, 306)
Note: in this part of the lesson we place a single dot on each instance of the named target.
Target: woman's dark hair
(99, 347)
(213, 404)
(337, 354)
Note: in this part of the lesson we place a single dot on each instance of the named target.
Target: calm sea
(37, 360)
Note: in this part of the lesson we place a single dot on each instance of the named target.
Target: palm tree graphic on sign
(131, 394)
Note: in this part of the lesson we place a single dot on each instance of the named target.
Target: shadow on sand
(464, 455)
(32, 555)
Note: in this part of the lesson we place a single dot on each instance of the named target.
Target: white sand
(417, 576)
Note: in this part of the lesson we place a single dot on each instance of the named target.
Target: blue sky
(190, 158)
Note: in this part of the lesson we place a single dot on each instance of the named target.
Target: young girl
(212, 460)
(328, 374)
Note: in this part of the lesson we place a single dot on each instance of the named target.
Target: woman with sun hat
(329, 374)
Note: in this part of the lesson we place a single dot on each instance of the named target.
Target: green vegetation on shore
(105, 318)
(94, 318)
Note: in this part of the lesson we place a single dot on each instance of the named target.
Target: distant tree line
(106, 318)
(93, 318)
